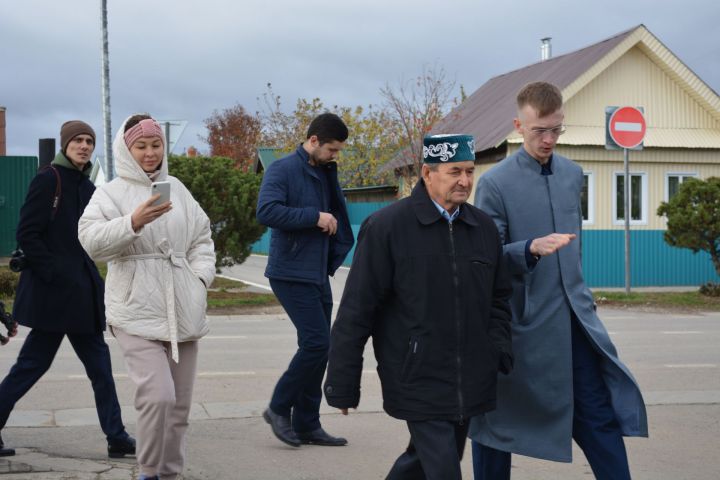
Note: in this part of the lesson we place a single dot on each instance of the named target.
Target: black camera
(18, 261)
(7, 320)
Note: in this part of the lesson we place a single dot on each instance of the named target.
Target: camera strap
(58, 191)
(55, 205)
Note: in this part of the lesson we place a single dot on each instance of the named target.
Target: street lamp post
(109, 165)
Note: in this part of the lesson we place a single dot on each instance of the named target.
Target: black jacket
(434, 297)
(61, 290)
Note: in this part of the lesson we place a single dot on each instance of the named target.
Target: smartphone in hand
(163, 188)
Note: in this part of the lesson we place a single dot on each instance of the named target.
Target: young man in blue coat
(568, 382)
(60, 291)
(302, 202)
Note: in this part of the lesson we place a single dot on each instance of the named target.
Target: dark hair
(135, 119)
(542, 96)
(328, 127)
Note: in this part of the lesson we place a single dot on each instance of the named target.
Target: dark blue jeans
(595, 428)
(299, 391)
(35, 358)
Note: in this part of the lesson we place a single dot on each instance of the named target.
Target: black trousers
(35, 358)
(434, 453)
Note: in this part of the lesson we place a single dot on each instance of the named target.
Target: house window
(587, 199)
(673, 182)
(638, 198)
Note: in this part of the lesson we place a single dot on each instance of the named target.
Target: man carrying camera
(60, 291)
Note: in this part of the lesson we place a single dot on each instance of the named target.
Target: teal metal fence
(652, 261)
(15, 176)
(357, 212)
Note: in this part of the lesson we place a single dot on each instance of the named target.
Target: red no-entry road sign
(627, 127)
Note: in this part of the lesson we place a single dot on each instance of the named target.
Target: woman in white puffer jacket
(161, 260)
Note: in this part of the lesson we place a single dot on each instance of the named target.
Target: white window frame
(682, 175)
(591, 198)
(644, 199)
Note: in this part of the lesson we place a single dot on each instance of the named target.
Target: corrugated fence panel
(652, 261)
(15, 176)
(357, 212)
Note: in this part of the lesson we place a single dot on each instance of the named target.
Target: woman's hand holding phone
(148, 212)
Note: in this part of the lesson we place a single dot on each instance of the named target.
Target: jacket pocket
(190, 303)
(527, 312)
(482, 271)
(291, 243)
(119, 282)
(128, 288)
(411, 361)
(481, 262)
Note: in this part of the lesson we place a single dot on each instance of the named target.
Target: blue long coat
(535, 402)
(61, 290)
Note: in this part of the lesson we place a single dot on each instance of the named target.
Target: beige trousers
(162, 399)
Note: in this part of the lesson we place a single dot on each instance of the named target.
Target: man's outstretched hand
(550, 244)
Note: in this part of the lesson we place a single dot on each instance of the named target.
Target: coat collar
(62, 161)
(527, 161)
(305, 159)
(426, 211)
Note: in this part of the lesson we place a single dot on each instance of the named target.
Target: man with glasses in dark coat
(568, 382)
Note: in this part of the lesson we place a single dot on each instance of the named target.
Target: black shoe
(120, 447)
(5, 452)
(281, 428)
(321, 437)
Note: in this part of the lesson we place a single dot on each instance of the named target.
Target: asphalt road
(675, 358)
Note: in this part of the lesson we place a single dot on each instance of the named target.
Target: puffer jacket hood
(157, 276)
(126, 166)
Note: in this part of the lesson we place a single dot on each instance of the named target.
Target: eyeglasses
(554, 131)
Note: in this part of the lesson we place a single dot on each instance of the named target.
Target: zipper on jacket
(458, 324)
(325, 257)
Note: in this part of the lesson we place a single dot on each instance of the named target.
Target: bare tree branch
(417, 105)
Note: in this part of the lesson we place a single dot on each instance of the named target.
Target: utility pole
(109, 164)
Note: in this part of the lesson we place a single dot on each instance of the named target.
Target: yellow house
(683, 140)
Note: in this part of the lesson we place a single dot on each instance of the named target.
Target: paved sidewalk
(683, 445)
(29, 464)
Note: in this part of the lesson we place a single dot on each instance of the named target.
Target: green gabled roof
(266, 156)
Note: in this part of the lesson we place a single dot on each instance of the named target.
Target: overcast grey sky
(184, 59)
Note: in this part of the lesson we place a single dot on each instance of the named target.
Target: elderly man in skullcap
(428, 283)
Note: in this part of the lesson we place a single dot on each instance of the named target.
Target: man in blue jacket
(302, 202)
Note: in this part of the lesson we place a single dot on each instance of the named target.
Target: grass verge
(683, 301)
(224, 295)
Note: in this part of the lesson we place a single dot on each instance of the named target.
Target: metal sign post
(626, 207)
(173, 131)
(625, 128)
